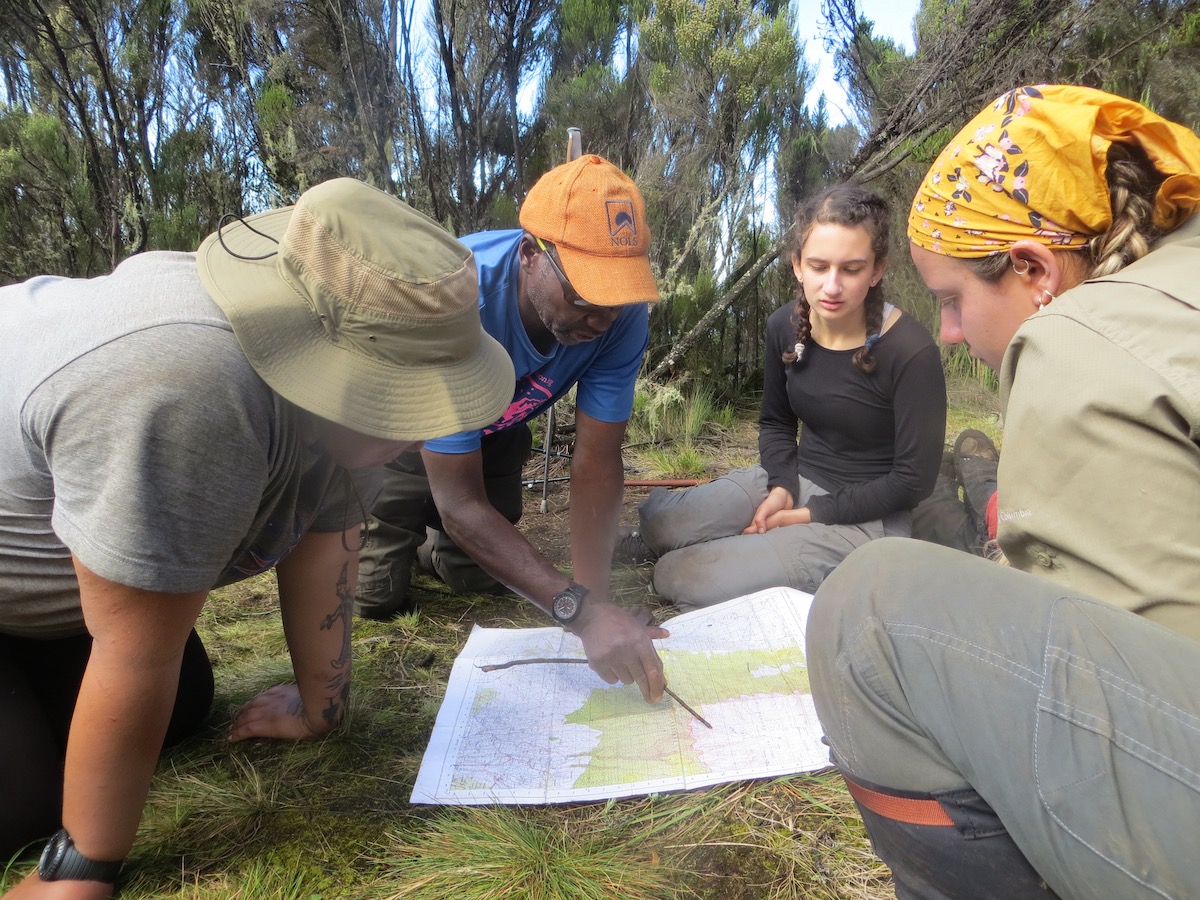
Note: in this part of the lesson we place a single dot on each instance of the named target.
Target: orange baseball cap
(595, 216)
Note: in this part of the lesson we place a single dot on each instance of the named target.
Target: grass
(675, 462)
(505, 852)
(671, 413)
(265, 820)
(685, 432)
(973, 404)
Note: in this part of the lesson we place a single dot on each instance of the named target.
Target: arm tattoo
(339, 685)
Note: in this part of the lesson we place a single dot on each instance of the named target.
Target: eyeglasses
(567, 288)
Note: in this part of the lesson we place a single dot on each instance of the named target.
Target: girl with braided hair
(1034, 733)
(861, 381)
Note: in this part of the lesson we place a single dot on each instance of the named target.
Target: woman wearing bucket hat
(186, 422)
(1004, 734)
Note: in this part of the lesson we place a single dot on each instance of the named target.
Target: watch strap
(65, 863)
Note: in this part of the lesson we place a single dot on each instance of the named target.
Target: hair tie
(799, 350)
(872, 340)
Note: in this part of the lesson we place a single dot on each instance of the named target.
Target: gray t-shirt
(134, 434)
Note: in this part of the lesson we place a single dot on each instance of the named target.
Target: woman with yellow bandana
(1023, 229)
(1003, 734)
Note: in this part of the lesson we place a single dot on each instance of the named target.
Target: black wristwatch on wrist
(62, 862)
(567, 604)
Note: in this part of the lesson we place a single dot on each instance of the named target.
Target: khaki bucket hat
(356, 307)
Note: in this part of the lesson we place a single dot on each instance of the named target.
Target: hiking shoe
(975, 443)
(975, 462)
(630, 548)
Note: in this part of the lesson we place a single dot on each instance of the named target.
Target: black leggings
(39, 682)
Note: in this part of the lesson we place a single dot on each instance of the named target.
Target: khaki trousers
(1079, 723)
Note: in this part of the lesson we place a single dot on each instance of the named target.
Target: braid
(1133, 183)
(864, 357)
(800, 322)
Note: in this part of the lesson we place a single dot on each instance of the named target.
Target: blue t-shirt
(605, 369)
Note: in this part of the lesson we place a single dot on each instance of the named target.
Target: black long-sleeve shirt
(873, 441)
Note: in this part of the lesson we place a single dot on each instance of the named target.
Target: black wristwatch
(566, 605)
(62, 862)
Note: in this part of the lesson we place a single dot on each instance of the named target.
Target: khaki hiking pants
(940, 674)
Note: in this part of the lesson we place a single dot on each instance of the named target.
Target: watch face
(566, 606)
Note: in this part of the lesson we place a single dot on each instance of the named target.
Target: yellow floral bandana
(1024, 169)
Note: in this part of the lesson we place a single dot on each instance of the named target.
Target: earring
(1024, 271)
(1040, 303)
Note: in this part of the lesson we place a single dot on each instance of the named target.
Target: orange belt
(900, 809)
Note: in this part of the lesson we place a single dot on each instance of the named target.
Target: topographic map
(552, 732)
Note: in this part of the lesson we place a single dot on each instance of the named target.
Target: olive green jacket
(1100, 472)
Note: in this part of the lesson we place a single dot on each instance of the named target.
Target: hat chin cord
(234, 217)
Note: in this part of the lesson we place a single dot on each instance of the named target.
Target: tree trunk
(665, 370)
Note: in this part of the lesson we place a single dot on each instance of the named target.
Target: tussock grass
(685, 432)
(512, 852)
(675, 462)
(671, 413)
(795, 837)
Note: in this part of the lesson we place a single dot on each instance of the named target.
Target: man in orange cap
(566, 295)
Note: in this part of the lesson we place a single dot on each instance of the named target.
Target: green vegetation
(971, 391)
(679, 431)
(667, 413)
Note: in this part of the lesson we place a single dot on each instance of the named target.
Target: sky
(893, 18)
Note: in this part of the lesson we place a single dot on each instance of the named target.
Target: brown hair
(850, 206)
(1133, 183)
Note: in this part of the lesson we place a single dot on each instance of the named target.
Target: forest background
(130, 125)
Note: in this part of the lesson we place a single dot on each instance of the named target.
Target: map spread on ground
(556, 733)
